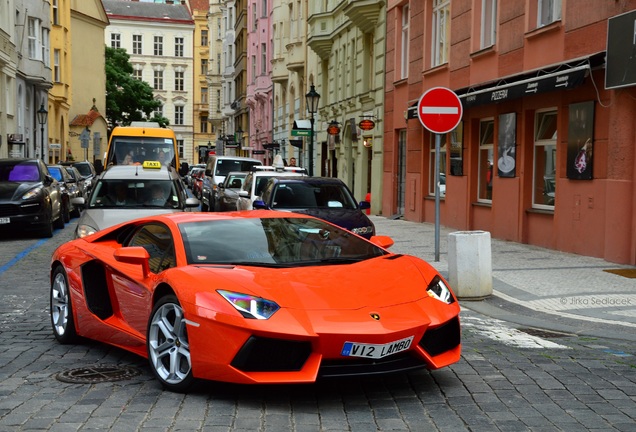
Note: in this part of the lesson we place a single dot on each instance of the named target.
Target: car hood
(104, 218)
(379, 282)
(345, 218)
(12, 191)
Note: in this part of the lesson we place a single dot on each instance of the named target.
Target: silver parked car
(126, 192)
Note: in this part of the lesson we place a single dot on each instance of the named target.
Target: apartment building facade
(159, 39)
(545, 151)
(9, 142)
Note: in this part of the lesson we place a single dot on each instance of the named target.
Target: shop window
(457, 150)
(485, 174)
(442, 166)
(545, 138)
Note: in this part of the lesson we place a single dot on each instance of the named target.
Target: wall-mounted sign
(366, 124)
(333, 128)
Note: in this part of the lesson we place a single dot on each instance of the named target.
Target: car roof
(132, 172)
(241, 158)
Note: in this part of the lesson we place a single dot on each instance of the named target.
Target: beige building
(203, 132)
(215, 73)
(346, 66)
(77, 129)
(8, 69)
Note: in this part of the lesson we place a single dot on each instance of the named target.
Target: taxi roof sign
(152, 164)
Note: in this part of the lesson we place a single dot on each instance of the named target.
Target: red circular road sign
(439, 110)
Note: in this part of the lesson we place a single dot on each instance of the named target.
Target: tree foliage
(127, 99)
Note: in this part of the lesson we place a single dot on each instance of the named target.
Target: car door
(132, 293)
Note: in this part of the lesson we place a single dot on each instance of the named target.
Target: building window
(204, 95)
(178, 47)
(159, 111)
(137, 42)
(57, 74)
(488, 23)
(218, 64)
(219, 30)
(178, 114)
(46, 53)
(218, 101)
(180, 148)
(485, 171)
(441, 32)
(137, 74)
(179, 80)
(263, 59)
(158, 45)
(204, 66)
(548, 11)
(115, 40)
(264, 9)
(34, 39)
(404, 49)
(204, 37)
(442, 166)
(158, 80)
(545, 139)
(253, 69)
(204, 124)
(56, 14)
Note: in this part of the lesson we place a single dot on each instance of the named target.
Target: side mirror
(244, 194)
(259, 205)
(134, 255)
(78, 201)
(220, 185)
(364, 205)
(382, 241)
(192, 202)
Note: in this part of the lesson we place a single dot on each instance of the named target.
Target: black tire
(168, 343)
(59, 222)
(204, 206)
(47, 228)
(61, 308)
(77, 212)
(66, 212)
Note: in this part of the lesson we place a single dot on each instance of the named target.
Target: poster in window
(580, 141)
(507, 145)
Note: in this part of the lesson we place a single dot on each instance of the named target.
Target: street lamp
(42, 115)
(312, 99)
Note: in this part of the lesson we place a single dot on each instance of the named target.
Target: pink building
(259, 81)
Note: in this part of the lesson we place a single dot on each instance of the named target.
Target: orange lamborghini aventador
(253, 297)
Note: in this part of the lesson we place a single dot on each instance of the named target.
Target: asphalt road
(509, 379)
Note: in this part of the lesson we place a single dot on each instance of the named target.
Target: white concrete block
(470, 264)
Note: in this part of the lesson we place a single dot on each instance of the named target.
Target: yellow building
(77, 101)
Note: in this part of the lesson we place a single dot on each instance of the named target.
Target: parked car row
(256, 186)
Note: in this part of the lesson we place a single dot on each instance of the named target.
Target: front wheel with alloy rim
(62, 319)
(167, 345)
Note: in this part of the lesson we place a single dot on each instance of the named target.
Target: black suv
(88, 172)
(30, 198)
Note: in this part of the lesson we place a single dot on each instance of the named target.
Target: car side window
(158, 241)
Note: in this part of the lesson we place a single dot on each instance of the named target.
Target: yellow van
(141, 142)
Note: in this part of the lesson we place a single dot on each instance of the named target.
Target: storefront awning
(561, 80)
(563, 76)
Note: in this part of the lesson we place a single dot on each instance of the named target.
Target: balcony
(280, 74)
(364, 14)
(295, 56)
(319, 37)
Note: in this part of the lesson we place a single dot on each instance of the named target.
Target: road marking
(21, 255)
(497, 330)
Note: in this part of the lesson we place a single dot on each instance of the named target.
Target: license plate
(354, 349)
(5, 220)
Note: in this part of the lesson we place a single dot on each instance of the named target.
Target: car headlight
(363, 230)
(83, 230)
(438, 290)
(32, 193)
(250, 306)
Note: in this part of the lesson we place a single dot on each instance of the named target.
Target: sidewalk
(533, 286)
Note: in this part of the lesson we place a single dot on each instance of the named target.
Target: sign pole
(440, 111)
(438, 139)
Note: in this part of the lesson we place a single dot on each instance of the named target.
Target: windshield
(136, 150)
(19, 171)
(135, 194)
(306, 195)
(285, 242)
(84, 169)
(224, 166)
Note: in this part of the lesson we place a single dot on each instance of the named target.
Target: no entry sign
(439, 110)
